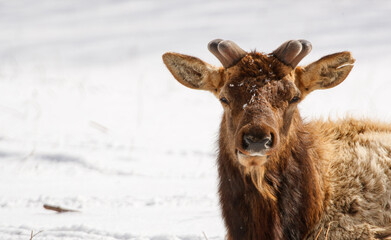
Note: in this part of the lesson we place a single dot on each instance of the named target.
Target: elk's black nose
(255, 143)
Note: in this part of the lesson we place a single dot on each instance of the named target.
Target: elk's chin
(251, 159)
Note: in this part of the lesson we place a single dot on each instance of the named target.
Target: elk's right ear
(193, 72)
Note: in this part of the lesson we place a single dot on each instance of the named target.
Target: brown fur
(320, 179)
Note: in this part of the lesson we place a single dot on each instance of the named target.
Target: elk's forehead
(251, 92)
(262, 67)
(258, 77)
(254, 86)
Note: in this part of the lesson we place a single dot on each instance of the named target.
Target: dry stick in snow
(206, 238)
(32, 235)
(99, 127)
(58, 209)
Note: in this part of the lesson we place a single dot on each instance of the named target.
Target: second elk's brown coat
(281, 177)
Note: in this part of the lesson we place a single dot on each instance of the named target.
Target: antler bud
(292, 52)
(228, 52)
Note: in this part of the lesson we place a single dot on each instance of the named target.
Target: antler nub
(293, 51)
(228, 52)
(305, 50)
(213, 48)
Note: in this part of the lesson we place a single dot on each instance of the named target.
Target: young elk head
(259, 92)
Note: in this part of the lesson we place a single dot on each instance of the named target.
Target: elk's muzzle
(254, 143)
(257, 143)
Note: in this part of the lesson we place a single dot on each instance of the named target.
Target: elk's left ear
(327, 72)
(193, 72)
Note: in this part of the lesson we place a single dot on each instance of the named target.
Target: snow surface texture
(91, 120)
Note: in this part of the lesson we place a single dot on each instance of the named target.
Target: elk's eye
(224, 100)
(294, 99)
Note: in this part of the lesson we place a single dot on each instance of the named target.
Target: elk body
(281, 177)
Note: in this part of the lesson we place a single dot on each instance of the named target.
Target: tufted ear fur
(193, 72)
(327, 72)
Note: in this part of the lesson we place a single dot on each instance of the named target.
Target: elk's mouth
(251, 159)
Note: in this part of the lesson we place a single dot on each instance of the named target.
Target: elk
(281, 177)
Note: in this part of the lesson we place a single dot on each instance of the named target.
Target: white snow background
(91, 120)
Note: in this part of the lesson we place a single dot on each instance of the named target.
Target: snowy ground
(91, 120)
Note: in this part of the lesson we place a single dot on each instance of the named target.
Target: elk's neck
(287, 196)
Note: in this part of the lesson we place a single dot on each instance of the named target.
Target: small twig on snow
(58, 209)
(98, 127)
(32, 235)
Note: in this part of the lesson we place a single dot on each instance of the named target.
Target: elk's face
(259, 101)
(259, 92)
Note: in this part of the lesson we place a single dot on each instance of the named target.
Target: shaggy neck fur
(281, 200)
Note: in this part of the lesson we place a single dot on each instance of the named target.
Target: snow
(91, 120)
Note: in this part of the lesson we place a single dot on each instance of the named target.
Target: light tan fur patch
(360, 178)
